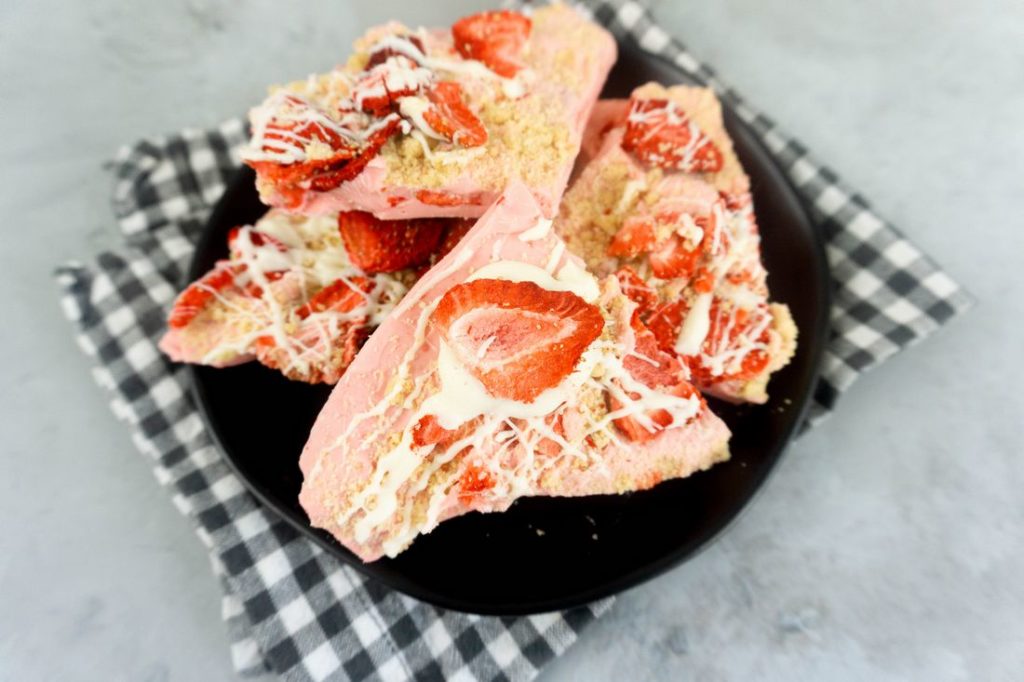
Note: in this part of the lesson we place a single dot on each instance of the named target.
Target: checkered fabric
(291, 608)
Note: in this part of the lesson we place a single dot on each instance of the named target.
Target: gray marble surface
(889, 543)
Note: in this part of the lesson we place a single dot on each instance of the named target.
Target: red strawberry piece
(380, 88)
(328, 178)
(655, 369)
(637, 290)
(495, 38)
(457, 229)
(299, 124)
(636, 236)
(672, 258)
(666, 321)
(388, 245)
(323, 174)
(200, 293)
(679, 257)
(381, 54)
(450, 118)
(723, 332)
(341, 295)
(428, 431)
(475, 480)
(517, 338)
(659, 133)
(725, 328)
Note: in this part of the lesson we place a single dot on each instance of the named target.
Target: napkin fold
(291, 608)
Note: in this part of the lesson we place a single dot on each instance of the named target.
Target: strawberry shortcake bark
(508, 370)
(424, 123)
(665, 205)
(301, 294)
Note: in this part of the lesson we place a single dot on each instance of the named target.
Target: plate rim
(642, 574)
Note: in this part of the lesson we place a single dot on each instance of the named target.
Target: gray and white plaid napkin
(291, 608)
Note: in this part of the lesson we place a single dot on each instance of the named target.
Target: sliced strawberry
(636, 236)
(380, 88)
(450, 118)
(676, 255)
(327, 179)
(200, 293)
(323, 175)
(666, 321)
(341, 295)
(475, 479)
(381, 54)
(659, 133)
(457, 229)
(299, 123)
(495, 38)
(672, 258)
(726, 327)
(428, 431)
(722, 336)
(388, 245)
(637, 290)
(655, 369)
(517, 338)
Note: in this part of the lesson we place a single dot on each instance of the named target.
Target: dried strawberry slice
(299, 123)
(673, 258)
(379, 89)
(475, 479)
(457, 229)
(517, 338)
(450, 118)
(377, 245)
(495, 38)
(666, 321)
(659, 133)
(428, 431)
(726, 327)
(327, 179)
(655, 369)
(341, 295)
(324, 175)
(636, 236)
(637, 290)
(381, 54)
(198, 294)
(723, 331)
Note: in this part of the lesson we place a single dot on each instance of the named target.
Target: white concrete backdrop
(888, 545)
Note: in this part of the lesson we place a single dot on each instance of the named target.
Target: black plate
(590, 547)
